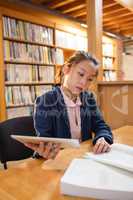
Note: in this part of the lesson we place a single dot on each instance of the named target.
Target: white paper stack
(92, 178)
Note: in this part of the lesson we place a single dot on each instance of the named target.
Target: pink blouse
(73, 110)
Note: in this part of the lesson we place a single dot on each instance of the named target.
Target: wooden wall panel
(116, 103)
(2, 86)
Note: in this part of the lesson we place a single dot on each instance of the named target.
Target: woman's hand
(101, 146)
(47, 150)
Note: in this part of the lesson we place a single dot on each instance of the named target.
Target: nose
(84, 82)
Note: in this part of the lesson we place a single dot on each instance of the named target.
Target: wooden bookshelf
(18, 14)
(39, 17)
(111, 52)
(17, 53)
(27, 42)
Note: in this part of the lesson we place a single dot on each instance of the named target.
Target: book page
(120, 156)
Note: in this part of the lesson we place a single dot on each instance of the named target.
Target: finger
(47, 151)
(109, 149)
(99, 145)
(96, 146)
(98, 142)
(55, 150)
(100, 148)
(41, 148)
(105, 148)
(52, 155)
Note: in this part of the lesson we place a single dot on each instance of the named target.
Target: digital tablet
(65, 143)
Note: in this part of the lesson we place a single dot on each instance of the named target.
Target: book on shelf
(59, 56)
(20, 52)
(108, 49)
(39, 90)
(46, 74)
(70, 40)
(102, 176)
(108, 63)
(20, 100)
(15, 73)
(22, 30)
(19, 111)
(109, 75)
(24, 95)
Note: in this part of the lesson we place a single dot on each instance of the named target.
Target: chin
(77, 91)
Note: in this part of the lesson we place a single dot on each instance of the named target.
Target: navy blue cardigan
(51, 118)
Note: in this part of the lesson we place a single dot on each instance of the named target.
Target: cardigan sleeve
(99, 127)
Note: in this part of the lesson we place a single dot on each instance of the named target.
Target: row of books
(109, 76)
(20, 111)
(18, 29)
(29, 73)
(24, 95)
(22, 30)
(108, 49)
(71, 41)
(59, 56)
(108, 63)
(14, 51)
(19, 52)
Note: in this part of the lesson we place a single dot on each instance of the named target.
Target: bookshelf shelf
(105, 69)
(26, 84)
(65, 49)
(107, 56)
(27, 63)
(28, 42)
(20, 106)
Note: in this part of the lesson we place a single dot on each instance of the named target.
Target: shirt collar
(69, 102)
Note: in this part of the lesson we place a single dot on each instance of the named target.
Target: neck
(69, 93)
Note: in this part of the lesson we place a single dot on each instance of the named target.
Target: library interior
(36, 38)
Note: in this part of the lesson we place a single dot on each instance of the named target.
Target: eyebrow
(86, 71)
(83, 69)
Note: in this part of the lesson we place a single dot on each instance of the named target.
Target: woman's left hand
(101, 146)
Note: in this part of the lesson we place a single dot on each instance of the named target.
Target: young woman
(70, 111)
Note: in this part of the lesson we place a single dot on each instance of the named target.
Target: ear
(65, 69)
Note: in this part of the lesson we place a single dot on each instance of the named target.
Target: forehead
(86, 66)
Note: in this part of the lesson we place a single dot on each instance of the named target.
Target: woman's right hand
(47, 150)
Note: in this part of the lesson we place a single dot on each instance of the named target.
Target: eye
(81, 74)
(90, 79)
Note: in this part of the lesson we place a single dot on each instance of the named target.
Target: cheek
(86, 86)
(88, 83)
(75, 78)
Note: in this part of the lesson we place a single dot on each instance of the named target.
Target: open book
(120, 156)
(104, 176)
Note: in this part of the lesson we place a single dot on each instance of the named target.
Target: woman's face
(79, 76)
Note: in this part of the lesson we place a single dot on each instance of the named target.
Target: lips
(79, 88)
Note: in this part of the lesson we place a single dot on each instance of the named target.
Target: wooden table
(39, 180)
